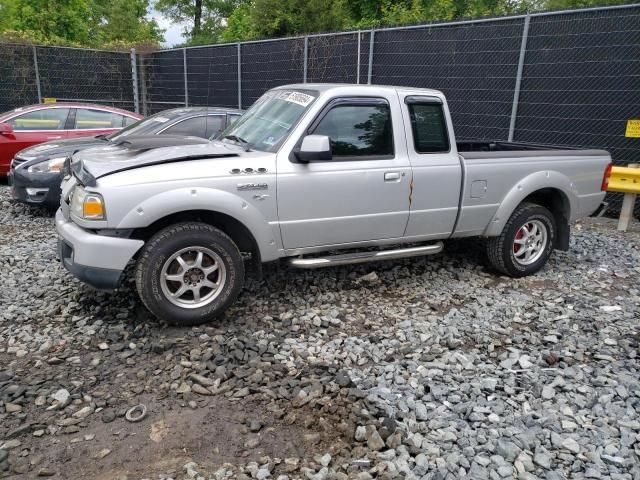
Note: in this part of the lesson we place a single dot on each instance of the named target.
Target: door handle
(392, 176)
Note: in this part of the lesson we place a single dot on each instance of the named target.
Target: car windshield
(270, 119)
(147, 126)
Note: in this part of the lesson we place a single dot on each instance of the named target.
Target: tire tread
(164, 235)
(496, 245)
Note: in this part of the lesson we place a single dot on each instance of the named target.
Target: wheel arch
(551, 190)
(238, 218)
(235, 229)
(558, 204)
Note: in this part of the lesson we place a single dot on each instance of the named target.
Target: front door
(362, 193)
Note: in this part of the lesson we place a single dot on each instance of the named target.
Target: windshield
(147, 126)
(270, 119)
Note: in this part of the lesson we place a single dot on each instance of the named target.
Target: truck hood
(137, 152)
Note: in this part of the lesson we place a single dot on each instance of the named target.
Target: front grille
(17, 161)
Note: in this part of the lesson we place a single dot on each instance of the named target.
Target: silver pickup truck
(321, 175)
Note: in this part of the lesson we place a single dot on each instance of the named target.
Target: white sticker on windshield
(296, 97)
(160, 119)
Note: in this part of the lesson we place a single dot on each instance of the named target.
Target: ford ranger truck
(321, 175)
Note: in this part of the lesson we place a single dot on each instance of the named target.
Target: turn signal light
(92, 208)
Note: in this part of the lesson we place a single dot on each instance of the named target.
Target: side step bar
(364, 257)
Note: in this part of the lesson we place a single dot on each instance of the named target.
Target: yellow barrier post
(627, 181)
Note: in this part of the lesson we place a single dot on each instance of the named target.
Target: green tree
(240, 25)
(206, 19)
(91, 23)
(125, 21)
(279, 18)
(68, 20)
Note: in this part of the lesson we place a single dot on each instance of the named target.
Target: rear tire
(526, 241)
(189, 273)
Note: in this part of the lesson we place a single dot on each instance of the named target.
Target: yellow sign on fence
(633, 129)
(48, 100)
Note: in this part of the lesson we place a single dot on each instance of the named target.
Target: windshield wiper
(239, 140)
(102, 136)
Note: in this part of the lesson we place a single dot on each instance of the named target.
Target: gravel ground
(432, 368)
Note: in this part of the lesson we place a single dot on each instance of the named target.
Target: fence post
(35, 64)
(134, 81)
(186, 81)
(306, 59)
(143, 87)
(358, 60)
(370, 71)
(516, 91)
(239, 77)
(628, 204)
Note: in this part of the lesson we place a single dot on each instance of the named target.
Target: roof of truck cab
(323, 87)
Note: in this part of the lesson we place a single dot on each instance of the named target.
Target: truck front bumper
(97, 260)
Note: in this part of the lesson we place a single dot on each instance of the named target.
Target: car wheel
(189, 273)
(526, 241)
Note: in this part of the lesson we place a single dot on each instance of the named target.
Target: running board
(364, 257)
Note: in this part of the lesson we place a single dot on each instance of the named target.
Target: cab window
(358, 130)
(44, 119)
(429, 127)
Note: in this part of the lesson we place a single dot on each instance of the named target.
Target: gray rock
(62, 397)
(548, 392)
(507, 450)
(571, 445)
(542, 458)
(614, 460)
(374, 440)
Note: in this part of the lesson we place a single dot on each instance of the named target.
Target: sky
(172, 31)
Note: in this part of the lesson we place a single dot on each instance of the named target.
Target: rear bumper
(95, 259)
(35, 189)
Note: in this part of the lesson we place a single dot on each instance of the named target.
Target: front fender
(170, 202)
(525, 187)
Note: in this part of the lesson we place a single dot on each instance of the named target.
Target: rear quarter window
(429, 128)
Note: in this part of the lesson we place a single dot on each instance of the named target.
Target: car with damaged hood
(321, 175)
(34, 173)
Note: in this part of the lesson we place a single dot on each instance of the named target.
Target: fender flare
(527, 186)
(179, 200)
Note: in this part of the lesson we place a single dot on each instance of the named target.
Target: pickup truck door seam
(285, 222)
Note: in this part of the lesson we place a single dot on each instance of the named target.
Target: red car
(26, 126)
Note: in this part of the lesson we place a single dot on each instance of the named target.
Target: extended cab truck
(311, 169)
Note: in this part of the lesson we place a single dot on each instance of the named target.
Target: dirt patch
(171, 436)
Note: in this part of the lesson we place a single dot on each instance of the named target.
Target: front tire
(189, 273)
(526, 241)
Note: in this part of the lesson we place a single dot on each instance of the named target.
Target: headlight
(87, 205)
(53, 165)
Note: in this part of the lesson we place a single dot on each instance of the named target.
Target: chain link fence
(29, 74)
(564, 78)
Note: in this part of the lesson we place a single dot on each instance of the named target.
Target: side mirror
(314, 148)
(5, 129)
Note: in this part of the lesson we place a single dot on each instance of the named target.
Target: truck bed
(473, 149)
